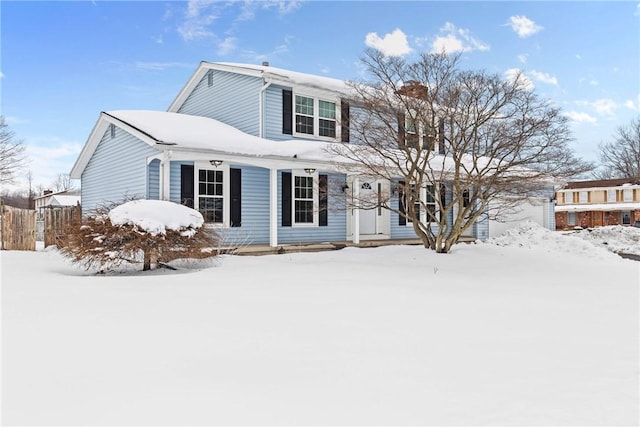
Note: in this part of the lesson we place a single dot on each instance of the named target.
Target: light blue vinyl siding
(254, 228)
(153, 180)
(175, 180)
(232, 99)
(117, 171)
(273, 113)
(336, 229)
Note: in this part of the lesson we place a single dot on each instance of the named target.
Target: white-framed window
(611, 195)
(212, 193)
(425, 212)
(627, 195)
(626, 217)
(583, 197)
(568, 197)
(305, 198)
(571, 218)
(315, 116)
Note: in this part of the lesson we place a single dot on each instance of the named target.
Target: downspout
(261, 109)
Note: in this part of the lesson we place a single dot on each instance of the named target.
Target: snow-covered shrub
(150, 232)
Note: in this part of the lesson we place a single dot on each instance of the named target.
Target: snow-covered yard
(535, 328)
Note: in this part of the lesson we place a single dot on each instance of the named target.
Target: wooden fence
(57, 222)
(18, 226)
(17, 229)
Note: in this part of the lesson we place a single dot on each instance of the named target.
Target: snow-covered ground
(532, 328)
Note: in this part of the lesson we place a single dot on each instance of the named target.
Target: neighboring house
(52, 200)
(246, 146)
(597, 203)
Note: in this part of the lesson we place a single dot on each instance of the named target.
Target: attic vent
(265, 63)
(112, 130)
(210, 78)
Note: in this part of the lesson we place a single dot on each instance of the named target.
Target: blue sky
(63, 62)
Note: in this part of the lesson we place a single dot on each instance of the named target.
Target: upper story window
(315, 116)
(327, 118)
(568, 197)
(627, 195)
(583, 197)
(611, 195)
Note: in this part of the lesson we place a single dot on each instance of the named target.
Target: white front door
(369, 211)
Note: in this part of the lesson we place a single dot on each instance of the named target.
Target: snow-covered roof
(202, 133)
(174, 131)
(598, 207)
(63, 200)
(266, 72)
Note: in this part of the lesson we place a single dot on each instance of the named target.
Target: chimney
(265, 63)
(47, 192)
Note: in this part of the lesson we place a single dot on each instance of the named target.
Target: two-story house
(597, 203)
(247, 146)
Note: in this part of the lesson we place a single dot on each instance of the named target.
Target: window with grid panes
(303, 200)
(304, 114)
(327, 118)
(211, 197)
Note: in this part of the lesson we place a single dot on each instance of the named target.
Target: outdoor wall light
(215, 163)
(309, 170)
(345, 187)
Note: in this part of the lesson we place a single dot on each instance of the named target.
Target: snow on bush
(157, 216)
(149, 232)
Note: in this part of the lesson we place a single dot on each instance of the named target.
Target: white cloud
(630, 104)
(456, 39)
(578, 56)
(227, 46)
(50, 156)
(1, 75)
(249, 8)
(523, 81)
(448, 44)
(544, 77)
(523, 26)
(523, 58)
(392, 44)
(12, 120)
(603, 106)
(160, 66)
(580, 117)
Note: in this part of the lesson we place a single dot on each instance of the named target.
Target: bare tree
(62, 182)
(457, 144)
(12, 155)
(621, 157)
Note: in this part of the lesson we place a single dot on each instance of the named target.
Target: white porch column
(273, 208)
(165, 176)
(356, 211)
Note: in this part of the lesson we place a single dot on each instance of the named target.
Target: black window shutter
(235, 187)
(287, 112)
(344, 117)
(323, 217)
(186, 185)
(401, 131)
(401, 219)
(286, 199)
